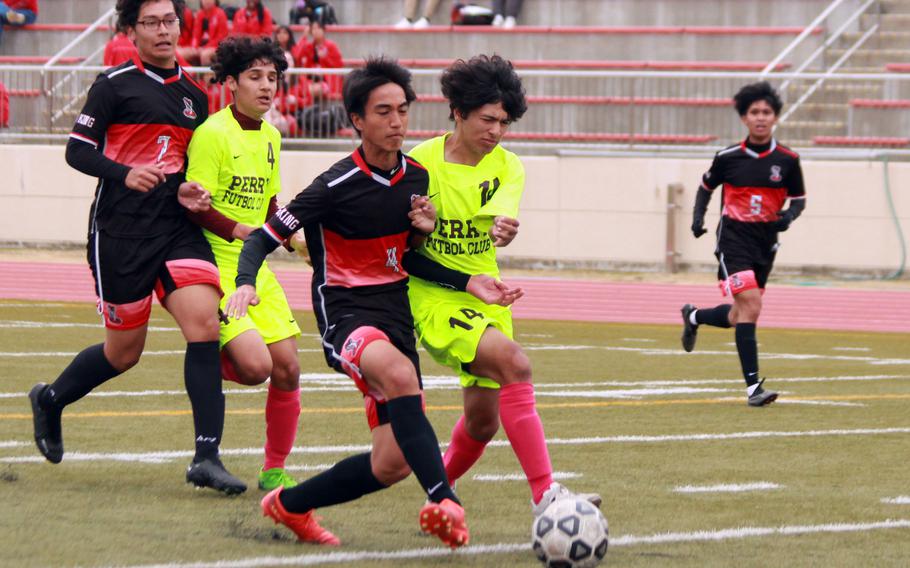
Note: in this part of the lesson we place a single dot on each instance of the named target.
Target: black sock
(88, 370)
(202, 377)
(349, 479)
(420, 447)
(718, 316)
(747, 346)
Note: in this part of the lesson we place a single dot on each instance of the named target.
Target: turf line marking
(13, 444)
(558, 475)
(639, 340)
(820, 403)
(156, 457)
(630, 393)
(22, 324)
(309, 467)
(21, 305)
(727, 487)
(899, 500)
(859, 349)
(74, 353)
(511, 548)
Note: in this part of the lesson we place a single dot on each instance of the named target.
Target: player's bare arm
(192, 196)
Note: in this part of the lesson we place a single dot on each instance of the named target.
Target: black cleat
(761, 397)
(211, 473)
(690, 331)
(48, 430)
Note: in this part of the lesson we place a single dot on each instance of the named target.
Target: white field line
(858, 349)
(899, 500)
(639, 340)
(309, 467)
(161, 456)
(22, 324)
(558, 475)
(544, 335)
(511, 548)
(26, 305)
(820, 403)
(13, 444)
(630, 393)
(727, 487)
(74, 353)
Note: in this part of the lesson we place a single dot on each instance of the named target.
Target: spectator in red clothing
(284, 37)
(17, 13)
(254, 20)
(186, 28)
(4, 106)
(119, 49)
(317, 51)
(210, 26)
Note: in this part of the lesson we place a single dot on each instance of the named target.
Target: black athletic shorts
(744, 247)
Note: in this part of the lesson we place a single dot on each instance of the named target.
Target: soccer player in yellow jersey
(476, 186)
(235, 156)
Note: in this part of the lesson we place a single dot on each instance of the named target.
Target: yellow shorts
(450, 324)
(271, 317)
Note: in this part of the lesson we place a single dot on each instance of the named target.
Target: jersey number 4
(468, 313)
(270, 158)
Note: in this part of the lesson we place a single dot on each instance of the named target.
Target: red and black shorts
(348, 341)
(128, 270)
(745, 253)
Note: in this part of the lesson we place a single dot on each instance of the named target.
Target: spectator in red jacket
(119, 49)
(4, 106)
(210, 26)
(186, 28)
(317, 51)
(17, 13)
(255, 20)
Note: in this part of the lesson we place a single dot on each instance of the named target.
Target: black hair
(236, 54)
(481, 80)
(753, 92)
(128, 11)
(260, 11)
(378, 71)
(292, 41)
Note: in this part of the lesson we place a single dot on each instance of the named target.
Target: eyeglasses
(152, 24)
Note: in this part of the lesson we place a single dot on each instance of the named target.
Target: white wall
(575, 210)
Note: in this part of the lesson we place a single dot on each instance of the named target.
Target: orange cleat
(305, 525)
(445, 521)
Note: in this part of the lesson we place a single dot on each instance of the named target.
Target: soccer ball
(571, 533)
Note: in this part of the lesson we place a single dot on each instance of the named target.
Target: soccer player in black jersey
(132, 135)
(359, 218)
(758, 176)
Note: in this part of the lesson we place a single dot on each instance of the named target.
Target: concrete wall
(594, 211)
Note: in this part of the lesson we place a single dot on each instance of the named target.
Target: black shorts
(128, 270)
(744, 247)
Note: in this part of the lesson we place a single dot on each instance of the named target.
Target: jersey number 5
(755, 205)
(468, 313)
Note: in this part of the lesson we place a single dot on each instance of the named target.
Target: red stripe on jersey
(753, 204)
(162, 145)
(272, 233)
(767, 152)
(413, 163)
(397, 177)
(788, 152)
(358, 159)
(364, 262)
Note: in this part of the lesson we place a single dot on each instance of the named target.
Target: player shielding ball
(236, 156)
(758, 176)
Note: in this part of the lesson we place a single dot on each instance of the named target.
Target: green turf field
(628, 413)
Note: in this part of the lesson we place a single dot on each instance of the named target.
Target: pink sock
(282, 411)
(520, 420)
(462, 453)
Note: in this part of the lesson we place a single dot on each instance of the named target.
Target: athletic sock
(202, 377)
(718, 316)
(88, 370)
(462, 453)
(419, 446)
(347, 480)
(518, 413)
(747, 347)
(282, 414)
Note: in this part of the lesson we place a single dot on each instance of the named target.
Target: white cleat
(557, 492)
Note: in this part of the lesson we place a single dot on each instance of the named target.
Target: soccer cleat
(305, 525)
(274, 478)
(210, 472)
(421, 23)
(690, 330)
(557, 492)
(761, 397)
(48, 429)
(403, 24)
(446, 521)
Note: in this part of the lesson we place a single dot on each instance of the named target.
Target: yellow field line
(359, 409)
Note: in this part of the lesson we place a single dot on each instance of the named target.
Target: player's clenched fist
(242, 298)
(144, 178)
(422, 215)
(194, 197)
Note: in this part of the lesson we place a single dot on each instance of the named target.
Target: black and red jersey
(136, 115)
(757, 180)
(355, 218)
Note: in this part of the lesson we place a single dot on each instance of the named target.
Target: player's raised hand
(492, 291)
(194, 197)
(503, 231)
(242, 298)
(422, 215)
(144, 178)
(298, 243)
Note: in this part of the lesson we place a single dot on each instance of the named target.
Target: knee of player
(286, 374)
(390, 471)
(255, 372)
(124, 360)
(482, 428)
(517, 366)
(399, 379)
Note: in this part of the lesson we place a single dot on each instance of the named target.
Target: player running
(235, 154)
(132, 135)
(476, 186)
(758, 176)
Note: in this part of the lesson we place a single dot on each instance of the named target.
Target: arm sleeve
(794, 182)
(82, 149)
(504, 200)
(714, 176)
(796, 208)
(215, 222)
(255, 249)
(702, 199)
(430, 270)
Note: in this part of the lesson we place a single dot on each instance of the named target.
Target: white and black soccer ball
(571, 533)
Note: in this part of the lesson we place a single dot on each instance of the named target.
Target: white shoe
(557, 492)
(403, 24)
(421, 23)
(509, 23)
(14, 17)
(497, 20)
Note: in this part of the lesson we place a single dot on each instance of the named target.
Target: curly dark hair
(481, 80)
(128, 12)
(378, 71)
(753, 92)
(236, 54)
